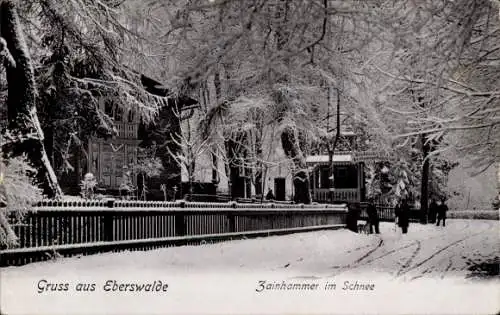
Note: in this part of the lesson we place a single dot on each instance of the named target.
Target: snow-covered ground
(425, 271)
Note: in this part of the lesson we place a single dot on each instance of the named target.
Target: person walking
(441, 212)
(352, 217)
(433, 207)
(373, 219)
(402, 213)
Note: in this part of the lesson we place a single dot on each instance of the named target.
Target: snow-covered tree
(18, 193)
(192, 147)
(88, 185)
(126, 185)
(280, 51)
(79, 49)
(148, 165)
(441, 80)
(25, 136)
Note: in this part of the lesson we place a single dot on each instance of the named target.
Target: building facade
(348, 178)
(110, 159)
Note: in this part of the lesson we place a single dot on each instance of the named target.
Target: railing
(72, 228)
(323, 195)
(126, 130)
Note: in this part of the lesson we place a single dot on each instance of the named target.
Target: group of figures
(438, 209)
(402, 215)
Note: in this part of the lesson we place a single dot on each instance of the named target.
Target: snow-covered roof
(325, 159)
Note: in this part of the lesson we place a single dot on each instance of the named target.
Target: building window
(118, 114)
(108, 108)
(346, 176)
(114, 111)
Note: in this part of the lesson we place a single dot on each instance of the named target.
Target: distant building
(109, 158)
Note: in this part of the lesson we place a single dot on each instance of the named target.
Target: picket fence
(63, 229)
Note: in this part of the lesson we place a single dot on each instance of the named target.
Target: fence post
(180, 224)
(231, 220)
(108, 221)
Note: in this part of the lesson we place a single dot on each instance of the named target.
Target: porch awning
(324, 159)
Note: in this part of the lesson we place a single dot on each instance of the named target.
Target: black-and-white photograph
(249, 157)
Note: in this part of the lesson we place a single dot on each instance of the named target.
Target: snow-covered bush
(88, 185)
(126, 185)
(18, 193)
(388, 183)
(147, 166)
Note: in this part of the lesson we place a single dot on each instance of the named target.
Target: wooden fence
(323, 195)
(83, 228)
(387, 213)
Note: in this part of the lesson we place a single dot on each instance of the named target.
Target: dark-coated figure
(352, 217)
(442, 208)
(402, 212)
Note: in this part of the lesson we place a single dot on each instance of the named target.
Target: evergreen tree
(26, 135)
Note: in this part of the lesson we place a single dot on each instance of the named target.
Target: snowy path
(424, 271)
(430, 251)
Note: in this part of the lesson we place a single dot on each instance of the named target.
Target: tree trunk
(289, 141)
(290, 145)
(259, 189)
(263, 182)
(21, 102)
(215, 177)
(144, 191)
(424, 191)
(331, 150)
(191, 169)
(259, 152)
(235, 152)
(49, 144)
